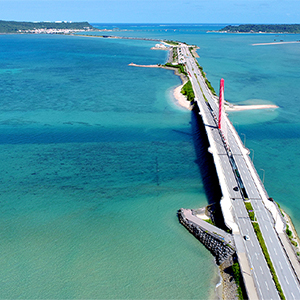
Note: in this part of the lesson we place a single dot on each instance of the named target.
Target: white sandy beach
(275, 43)
(181, 99)
(143, 66)
(250, 107)
(183, 102)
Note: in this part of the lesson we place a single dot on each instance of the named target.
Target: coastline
(294, 236)
(180, 99)
(227, 287)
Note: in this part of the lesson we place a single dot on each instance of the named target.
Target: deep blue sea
(96, 158)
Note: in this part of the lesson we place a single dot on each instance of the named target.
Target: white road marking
(286, 280)
(266, 227)
(275, 251)
(261, 270)
(293, 295)
(280, 265)
(271, 240)
(267, 286)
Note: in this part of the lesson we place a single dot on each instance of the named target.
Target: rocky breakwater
(216, 240)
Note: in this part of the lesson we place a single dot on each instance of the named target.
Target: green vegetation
(206, 80)
(238, 279)
(209, 221)
(180, 68)
(16, 27)
(294, 243)
(187, 90)
(175, 54)
(191, 51)
(288, 231)
(250, 210)
(264, 248)
(267, 257)
(210, 86)
(290, 235)
(272, 28)
(201, 89)
(278, 206)
(172, 43)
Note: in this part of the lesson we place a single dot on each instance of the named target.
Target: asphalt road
(260, 272)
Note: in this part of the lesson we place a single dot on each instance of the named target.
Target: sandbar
(144, 66)
(231, 107)
(275, 43)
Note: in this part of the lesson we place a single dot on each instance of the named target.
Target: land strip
(262, 28)
(275, 43)
(44, 27)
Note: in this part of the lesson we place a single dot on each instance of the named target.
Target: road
(233, 156)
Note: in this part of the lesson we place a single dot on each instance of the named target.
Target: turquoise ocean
(96, 158)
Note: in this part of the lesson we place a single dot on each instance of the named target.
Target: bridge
(240, 182)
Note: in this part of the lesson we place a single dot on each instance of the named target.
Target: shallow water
(266, 74)
(96, 159)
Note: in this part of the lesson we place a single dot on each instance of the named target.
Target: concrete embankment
(216, 240)
(220, 244)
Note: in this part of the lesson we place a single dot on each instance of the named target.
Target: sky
(153, 11)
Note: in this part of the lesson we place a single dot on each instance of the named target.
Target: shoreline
(227, 286)
(295, 236)
(182, 101)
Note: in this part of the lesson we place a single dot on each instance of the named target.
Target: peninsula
(62, 27)
(262, 28)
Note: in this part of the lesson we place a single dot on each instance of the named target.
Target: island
(62, 27)
(262, 28)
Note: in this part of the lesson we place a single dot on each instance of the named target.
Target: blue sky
(153, 11)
